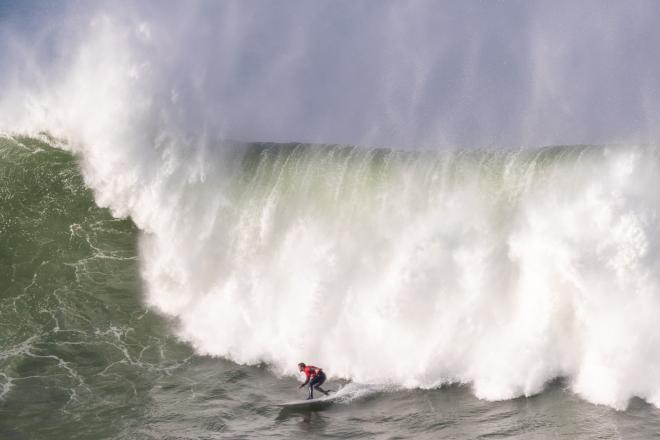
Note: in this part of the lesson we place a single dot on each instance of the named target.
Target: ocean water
(465, 294)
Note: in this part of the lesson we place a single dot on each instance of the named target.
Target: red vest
(311, 371)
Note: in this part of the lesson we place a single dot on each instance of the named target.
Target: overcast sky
(410, 74)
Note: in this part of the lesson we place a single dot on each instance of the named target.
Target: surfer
(315, 378)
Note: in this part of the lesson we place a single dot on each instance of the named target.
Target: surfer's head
(301, 366)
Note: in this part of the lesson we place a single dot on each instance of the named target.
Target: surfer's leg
(322, 390)
(318, 381)
(312, 384)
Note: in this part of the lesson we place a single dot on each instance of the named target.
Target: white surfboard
(325, 400)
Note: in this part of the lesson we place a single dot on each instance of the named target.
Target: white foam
(501, 284)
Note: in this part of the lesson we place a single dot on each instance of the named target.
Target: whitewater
(163, 274)
(504, 271)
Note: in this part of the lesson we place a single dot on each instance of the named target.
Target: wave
(500, 270)
(503, 270)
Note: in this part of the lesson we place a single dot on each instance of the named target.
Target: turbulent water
(464, 294)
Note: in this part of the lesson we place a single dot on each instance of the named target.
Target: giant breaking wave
(500, 270)
(503, 270)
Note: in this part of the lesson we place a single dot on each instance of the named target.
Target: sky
(406, 74)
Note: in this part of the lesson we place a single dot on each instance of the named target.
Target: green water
(76, 344)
